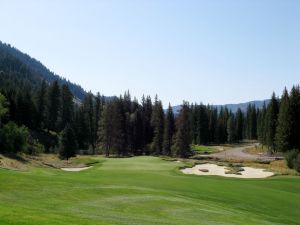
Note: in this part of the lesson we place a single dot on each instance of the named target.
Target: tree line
(55, 122)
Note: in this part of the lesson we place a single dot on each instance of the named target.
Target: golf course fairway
(144, 190)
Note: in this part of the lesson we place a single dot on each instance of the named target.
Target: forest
(39, 115)
(47, 119)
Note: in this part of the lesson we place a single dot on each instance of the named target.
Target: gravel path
(239, 153)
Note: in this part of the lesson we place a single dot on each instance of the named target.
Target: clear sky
(210, 51)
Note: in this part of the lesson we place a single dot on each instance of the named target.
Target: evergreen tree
(213, 117)
(81, 128)
(295, 117)
(239, 124)
(68, 143)
(88, 107)
(26, 111)
(41, 105)
(136, 124)
(283, 130)
(3, 108)
(67, 110)
(182, 142)
(119, 132)
(271, 122)
(157, 123)
(111, 129)
(251, 122)
(53, 106)
(99, 102)
(105, 131)
(146, 117)
(202, 125)
(231, 129)
(262, 125)
(169, 129)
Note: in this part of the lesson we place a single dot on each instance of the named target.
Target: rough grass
(144, 190)
(204, 149)
(257, 150)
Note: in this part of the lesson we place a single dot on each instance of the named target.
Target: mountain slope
(233, 107)
(13, 61)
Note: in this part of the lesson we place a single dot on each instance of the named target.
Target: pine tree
(169, 129)
(157, 123)
(239, 124)
(231, 129)
(105, 130)
(119, 129)
(41, 105)
(261, 125)
(146, 117)
(202, 125)
(111, 129)
(81, 128)
(295, 117)
(53, 106)
(213, 117)
(182, 142)
(88, 107)
(99, 102)
(3, 107)
(283, 130)
(67, 110)
(136, 124)
(68, 143)
(26, 110)
(271, 122)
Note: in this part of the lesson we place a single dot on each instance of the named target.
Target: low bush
(13, 138)
(293, 159)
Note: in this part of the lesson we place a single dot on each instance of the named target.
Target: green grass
(144, 190)
(204, 149)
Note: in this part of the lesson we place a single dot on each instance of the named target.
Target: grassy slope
(144, 190)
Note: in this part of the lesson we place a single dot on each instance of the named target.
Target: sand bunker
(212, 169)
(75, 169)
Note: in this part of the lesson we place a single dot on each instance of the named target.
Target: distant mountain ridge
(36, 71)
(234, 107)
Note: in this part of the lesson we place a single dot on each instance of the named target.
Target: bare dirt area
(240, 153)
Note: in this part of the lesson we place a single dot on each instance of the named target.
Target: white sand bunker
(212, 169)
(75, 169)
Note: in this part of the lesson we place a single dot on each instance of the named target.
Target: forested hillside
(29, 70)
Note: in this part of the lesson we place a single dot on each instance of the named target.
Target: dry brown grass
(12, 163)
(23, 162)
(257, 150)
(279, 167)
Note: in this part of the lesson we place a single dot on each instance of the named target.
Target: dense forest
(38, 115)
(20, 65)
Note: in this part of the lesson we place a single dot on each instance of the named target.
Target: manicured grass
(144, 190)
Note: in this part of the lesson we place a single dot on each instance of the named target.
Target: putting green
(144, 190)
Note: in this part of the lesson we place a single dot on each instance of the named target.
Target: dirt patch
(213, 169)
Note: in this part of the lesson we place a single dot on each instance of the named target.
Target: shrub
(14, 138)
(293, 159)
(35, 148)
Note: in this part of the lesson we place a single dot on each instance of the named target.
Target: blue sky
(213, 51)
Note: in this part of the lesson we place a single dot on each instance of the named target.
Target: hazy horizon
(215, 52)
